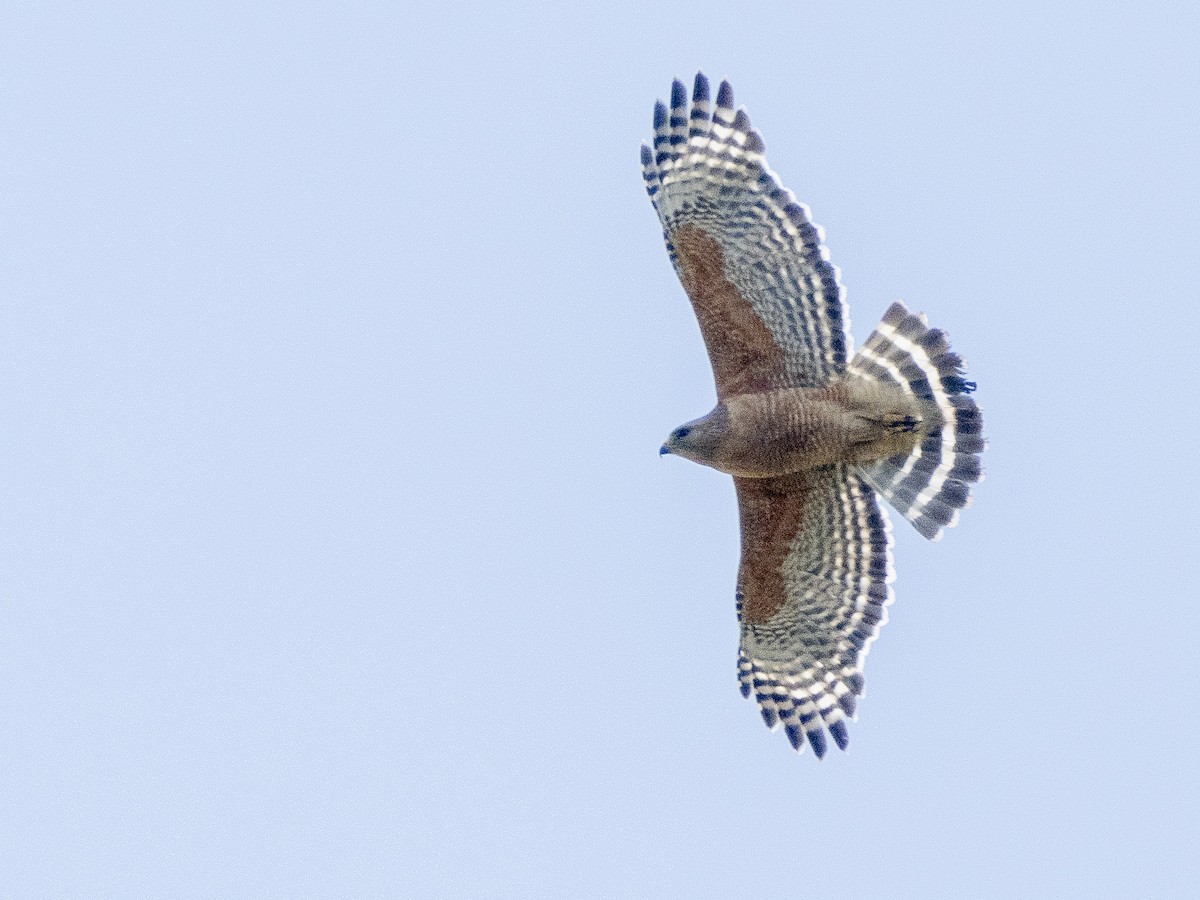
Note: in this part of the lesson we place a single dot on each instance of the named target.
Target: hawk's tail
(932, 483)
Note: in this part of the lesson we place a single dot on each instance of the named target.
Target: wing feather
(744, 248)
(813, 587)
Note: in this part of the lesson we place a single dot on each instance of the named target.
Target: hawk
(812, 435)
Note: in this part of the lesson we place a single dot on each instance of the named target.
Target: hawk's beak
(663, 451)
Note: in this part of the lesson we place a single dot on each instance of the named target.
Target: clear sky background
(337, 556)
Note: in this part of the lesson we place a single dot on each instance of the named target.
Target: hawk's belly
(798, 429)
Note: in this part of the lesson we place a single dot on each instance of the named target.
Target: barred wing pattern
(723, 211)
(813, 587)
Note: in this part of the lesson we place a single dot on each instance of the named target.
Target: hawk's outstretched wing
(751, 260)
(813, 585)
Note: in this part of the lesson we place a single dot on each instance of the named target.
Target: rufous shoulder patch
(744, 355)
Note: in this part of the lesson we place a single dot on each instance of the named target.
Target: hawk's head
(699, 439)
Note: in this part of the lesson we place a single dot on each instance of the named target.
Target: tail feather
(931, 484)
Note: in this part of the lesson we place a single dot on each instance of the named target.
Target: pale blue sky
(338, 557)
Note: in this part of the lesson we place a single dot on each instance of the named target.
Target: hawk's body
(810, 436)
(789, 430)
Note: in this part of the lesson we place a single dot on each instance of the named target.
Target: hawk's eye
(682, 432)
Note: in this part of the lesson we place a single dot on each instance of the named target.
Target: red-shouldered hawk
(810, 438)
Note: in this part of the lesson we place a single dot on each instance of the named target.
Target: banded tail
(930, 485)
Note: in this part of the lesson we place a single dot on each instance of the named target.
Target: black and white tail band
(932, 483)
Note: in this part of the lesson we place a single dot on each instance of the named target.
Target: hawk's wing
(750, 258)
(813, 585)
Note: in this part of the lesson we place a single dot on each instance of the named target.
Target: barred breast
(798, 429)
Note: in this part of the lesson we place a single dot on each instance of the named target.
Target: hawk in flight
(812, 434)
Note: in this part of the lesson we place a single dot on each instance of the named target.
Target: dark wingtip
(647, 155)
(678, 94)
(816, 738)
(840, 735)
(895, 313)
(660, 114)
(700, 89)
(725, 96)
(796, 735)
